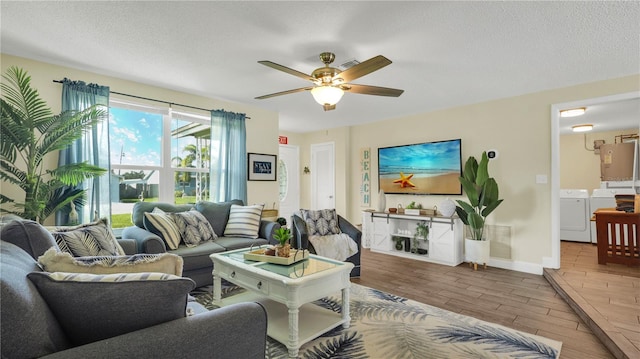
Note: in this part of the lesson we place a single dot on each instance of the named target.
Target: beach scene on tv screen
(424, 168)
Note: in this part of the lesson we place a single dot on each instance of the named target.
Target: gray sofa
(31, 328)
(197, 264)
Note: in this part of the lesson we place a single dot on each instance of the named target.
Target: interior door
(289, 180)
(323, 176)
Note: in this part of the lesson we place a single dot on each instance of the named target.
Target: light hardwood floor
(522, 301)
(606, 296)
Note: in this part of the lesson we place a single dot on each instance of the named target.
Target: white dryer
(575, 215)
(604, 198)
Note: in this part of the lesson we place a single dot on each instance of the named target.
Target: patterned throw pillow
(162, 224)
(91, 239)
(93, 307)
(322, 222)
(244, 221)
(54, 261)
(194, 227)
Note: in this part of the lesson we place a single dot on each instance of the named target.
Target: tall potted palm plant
(29, 131)
(482, 193)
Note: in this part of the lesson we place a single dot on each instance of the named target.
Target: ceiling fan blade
(372, 90)
(363, 68)
(288, 70)
(284, 93)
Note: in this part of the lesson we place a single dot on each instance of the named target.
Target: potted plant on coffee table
(482, 192)
(283, 235)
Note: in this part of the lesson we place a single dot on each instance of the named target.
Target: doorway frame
(554, 260)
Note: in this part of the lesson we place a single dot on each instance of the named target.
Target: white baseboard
(550, 262)
(516, 266)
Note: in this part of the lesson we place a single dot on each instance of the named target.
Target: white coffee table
(296, 286)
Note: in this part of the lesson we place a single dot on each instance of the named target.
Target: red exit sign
(283, 140)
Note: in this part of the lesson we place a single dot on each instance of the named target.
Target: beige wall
(579, 167)
(518, 127)
(262, 128)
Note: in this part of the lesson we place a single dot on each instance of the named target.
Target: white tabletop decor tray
(294, 256)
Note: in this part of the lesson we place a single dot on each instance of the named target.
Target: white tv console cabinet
(381, 231)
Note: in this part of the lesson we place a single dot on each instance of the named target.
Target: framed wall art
(262, 167)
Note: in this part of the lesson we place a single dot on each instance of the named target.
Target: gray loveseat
(31, 328)
(197, 264)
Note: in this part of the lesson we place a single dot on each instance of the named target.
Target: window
(157, 155)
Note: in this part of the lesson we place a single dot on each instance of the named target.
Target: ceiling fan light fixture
(573, 112)
(327, 95)
(582, 128)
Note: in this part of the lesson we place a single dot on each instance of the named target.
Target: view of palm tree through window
(157, 155)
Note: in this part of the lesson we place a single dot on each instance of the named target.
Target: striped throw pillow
(162, 224)
(244, 221)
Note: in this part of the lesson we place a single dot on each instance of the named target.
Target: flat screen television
(421, 168)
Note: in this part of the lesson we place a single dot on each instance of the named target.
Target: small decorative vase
(399, 245)
(382, 201)
(283, 251)
(447, 208)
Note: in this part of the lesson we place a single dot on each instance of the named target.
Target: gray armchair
(301, 238)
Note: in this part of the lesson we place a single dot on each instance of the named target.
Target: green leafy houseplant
(422, 233)
(482, 192)
(29, 131)
(282, 235)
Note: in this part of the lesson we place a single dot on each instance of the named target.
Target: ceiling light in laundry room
(582, 128)
(573, 112)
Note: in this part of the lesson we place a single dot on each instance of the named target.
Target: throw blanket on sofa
(334, 246)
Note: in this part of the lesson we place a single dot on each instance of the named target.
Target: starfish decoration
(404, 180)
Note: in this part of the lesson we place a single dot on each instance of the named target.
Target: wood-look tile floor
(611, 292)
(521, 301)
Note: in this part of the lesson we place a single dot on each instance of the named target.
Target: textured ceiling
(445, 54)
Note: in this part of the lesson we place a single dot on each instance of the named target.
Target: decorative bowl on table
(393, 210)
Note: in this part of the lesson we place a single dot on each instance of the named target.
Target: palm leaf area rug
(387, 326)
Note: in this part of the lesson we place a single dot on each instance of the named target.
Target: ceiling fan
(331, 83)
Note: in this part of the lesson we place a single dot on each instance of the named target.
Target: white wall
(518, 127)
(262, 128)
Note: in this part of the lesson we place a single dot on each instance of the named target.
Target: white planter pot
(477, 252)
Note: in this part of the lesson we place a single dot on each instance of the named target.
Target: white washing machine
(575, 216)
(604, 198)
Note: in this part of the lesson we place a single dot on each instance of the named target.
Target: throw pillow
(93, 307)
(28, 235)
(194, 227)
(244, 221)
(217, 213)
(321, 222)
(91, 239)
(55, 261)
(162, 224)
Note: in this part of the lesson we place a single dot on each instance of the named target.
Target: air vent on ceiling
(348, 64)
